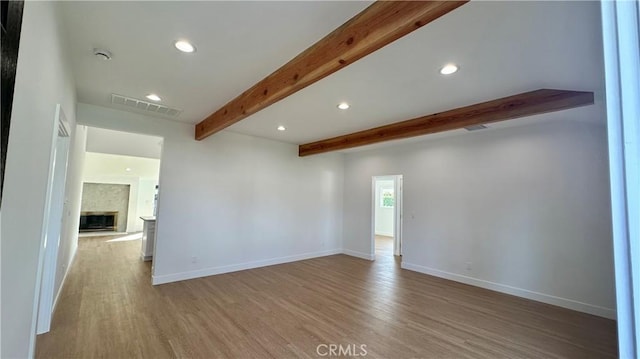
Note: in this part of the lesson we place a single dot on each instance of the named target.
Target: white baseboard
(362, 255)
(64, 279)
(540, 297)
(205, 272)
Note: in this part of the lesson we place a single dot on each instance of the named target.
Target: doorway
(120, 185)
(386, 213)
(125, 167)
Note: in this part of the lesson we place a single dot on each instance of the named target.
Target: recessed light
(343, 106)
(448, 69)
(128, 169)
(184, 46)
(281, 128)
(153, 97)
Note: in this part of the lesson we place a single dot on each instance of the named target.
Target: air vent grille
(63, 129)
(144, 106)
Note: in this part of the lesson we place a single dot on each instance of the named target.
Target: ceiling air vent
(144, 106)
(475, 127)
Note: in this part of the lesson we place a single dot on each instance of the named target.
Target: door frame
(52, 228)
(397, 214)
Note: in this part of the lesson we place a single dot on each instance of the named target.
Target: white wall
(527, 207)
(43, 80)
(383, 215)
(146, 193)
(234, 201)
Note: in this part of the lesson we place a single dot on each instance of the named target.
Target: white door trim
(397, 214)
(397, 224)
(621, 32)
(55, 203)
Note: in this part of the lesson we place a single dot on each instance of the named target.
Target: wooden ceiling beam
(378, 25)
(507, 108)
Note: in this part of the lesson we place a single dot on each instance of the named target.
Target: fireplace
(98, 221)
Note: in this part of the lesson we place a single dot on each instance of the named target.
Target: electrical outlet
(194, 259)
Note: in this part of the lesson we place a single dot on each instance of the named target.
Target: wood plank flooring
(384, 246)
(109, 309)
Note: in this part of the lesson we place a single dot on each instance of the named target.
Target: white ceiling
(101, 165)
(123, 143)
(502, 48)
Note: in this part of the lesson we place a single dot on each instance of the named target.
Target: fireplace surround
(98, 221)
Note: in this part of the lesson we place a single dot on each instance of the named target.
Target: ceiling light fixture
(185, 46)
(153, 97)
(128, 169)
(281, 128)
(343, 106)
(448, 69)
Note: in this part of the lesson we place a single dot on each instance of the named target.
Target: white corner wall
(43, 79)
(526, 207)
(233, 201)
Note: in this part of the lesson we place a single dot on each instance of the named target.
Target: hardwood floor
(384, 247)
(109, 309)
